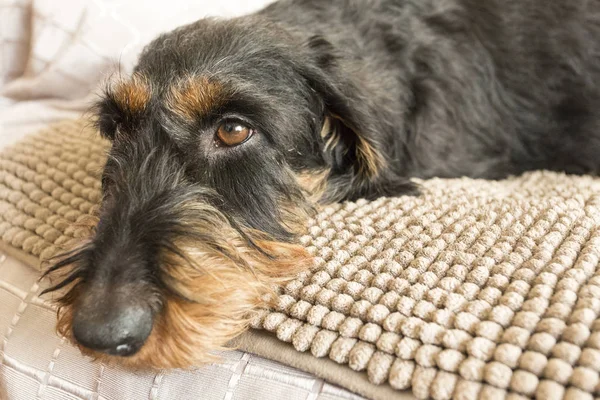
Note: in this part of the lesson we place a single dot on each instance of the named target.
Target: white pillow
(15, 27)
(74, 43)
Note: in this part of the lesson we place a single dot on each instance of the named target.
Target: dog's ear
(353, 130)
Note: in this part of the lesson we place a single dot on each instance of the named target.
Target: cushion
(473, 289)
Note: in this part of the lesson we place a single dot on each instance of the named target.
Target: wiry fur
(205, 307)
(202, 277)
(348, 99)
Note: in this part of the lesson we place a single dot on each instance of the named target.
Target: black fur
(446, 88)
(441, 87)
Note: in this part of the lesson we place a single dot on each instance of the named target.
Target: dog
(230, 133)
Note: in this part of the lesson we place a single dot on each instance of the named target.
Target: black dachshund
(230, 131)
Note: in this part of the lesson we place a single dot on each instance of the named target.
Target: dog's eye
(232, 133)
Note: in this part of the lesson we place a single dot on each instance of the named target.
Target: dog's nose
(114, 328)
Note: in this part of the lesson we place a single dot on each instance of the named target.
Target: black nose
(112, 325)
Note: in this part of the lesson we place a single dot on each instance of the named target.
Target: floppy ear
(354, 130)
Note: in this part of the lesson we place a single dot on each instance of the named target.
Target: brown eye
(232, 134)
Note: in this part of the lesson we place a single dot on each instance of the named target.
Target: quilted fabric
(36, 364)
(474, 289)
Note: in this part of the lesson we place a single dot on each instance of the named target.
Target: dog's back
(483, 88)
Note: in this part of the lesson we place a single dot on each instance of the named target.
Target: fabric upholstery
(473, 289)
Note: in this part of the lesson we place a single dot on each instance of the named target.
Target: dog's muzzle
(112, 321)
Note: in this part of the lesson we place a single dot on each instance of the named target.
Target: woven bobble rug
(476, 289)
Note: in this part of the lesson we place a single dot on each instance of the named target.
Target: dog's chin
(211, 292)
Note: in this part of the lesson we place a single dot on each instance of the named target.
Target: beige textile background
(473, 289)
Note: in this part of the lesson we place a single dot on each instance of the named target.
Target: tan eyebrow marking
(195, 96)
(131, 95)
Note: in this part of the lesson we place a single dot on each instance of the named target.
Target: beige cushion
(475, 288)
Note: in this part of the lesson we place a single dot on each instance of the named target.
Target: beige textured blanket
(476, 289)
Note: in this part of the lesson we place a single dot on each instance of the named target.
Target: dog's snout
(115, 325)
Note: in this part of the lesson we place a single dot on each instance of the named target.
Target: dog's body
(229, 131)
(467, 87)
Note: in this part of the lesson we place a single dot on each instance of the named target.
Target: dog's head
(223, 139)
